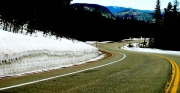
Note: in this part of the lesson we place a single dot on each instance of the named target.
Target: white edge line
(124, 56)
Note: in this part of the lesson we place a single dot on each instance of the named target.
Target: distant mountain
(115, 9)
(91, 7)
(121, 12)
(137, 15)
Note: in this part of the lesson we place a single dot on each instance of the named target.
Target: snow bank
(94, 42)
(131, 39)
(21, 53)
(149, 50)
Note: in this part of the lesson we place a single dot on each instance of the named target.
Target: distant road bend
(173, 83)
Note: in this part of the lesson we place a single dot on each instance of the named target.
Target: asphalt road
(122, 72)
(173, 83)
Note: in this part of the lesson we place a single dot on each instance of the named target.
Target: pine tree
(126, 17)
(175, 21)
(158, 21)
(175, 12)
(132, 17)
(168, 15)
(175, 7)
(157, 13)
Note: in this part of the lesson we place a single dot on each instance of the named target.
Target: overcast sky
(137, 4)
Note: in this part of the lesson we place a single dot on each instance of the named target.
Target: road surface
(122, 72)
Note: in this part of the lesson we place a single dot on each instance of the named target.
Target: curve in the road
(23, 84)
(174, 79)
(173, 82)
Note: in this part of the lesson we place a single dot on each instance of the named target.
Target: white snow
(130, 39)
(149, 50)
(94, 42)
(20, 54)
(138, 49)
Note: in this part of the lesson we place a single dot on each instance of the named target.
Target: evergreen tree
(132, 17)
(175, 12)
(157, 13)
(167, 14)
(175, 6)
(126, 17)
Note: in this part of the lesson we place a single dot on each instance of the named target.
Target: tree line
(166, 36)
(63, 20)
(44, 16)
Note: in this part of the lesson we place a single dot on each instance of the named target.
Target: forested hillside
(97, 24)
(66, 20)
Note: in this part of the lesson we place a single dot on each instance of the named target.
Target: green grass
(138, 73)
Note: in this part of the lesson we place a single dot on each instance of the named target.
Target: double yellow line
(173, 82)
(172, 85)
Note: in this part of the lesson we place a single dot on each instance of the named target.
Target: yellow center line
(173, 82)
(174, 79)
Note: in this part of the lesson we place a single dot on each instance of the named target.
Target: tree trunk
(10, 26)
(22, 29)
(144, 42)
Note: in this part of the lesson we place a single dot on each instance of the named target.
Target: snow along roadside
(23, 84)
(101, 56)
(23, 54)
(136, 48)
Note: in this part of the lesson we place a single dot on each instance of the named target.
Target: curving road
(122, 72)
(173, 83)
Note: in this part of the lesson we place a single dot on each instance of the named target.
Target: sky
(137, 4)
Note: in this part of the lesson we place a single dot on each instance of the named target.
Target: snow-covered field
(21, 54)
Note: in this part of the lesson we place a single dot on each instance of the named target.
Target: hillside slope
(91, 7)
(137, 15)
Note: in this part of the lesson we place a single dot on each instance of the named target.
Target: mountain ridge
(141, 16)
(115, 9)
(104, 10)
